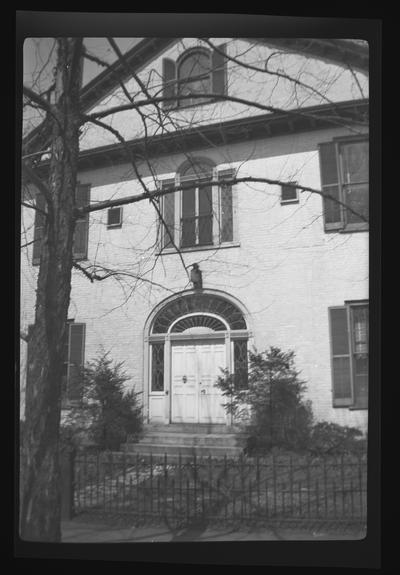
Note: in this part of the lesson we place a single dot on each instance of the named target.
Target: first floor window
(74, 349)
(72, 364)
(240, 363)
(349, 329)
(157, 366)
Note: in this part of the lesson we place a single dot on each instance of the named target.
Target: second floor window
(80, 241)
(202, 213)
(345, 177)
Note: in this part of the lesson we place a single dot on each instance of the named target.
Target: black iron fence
(181, 491)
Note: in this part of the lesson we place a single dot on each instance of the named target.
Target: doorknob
(184, 379)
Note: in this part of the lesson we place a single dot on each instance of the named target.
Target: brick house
(279, 266)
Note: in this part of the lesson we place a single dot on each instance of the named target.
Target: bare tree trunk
(40, 509)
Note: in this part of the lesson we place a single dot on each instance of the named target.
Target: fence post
(67, 483)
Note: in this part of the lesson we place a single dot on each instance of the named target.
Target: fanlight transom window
(198, 321)
(200, 308)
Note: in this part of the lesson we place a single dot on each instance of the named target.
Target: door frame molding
(196, 342)
(149, 338)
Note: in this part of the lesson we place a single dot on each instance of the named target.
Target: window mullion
(216, 211)
(197, 212)
(340, 183)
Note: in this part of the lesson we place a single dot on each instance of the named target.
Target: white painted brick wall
(287, 270)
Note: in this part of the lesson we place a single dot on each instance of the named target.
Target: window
(345, 177)
(81, 233)
(194, 76)
(198, 304)
(349, 354)
(197, 71)
(197, 213)
(157, 366)
(202, 213)
(73, 361)
(240, 363)
(289, 194)
(114, 218)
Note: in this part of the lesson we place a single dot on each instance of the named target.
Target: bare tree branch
(212, 96)
(248, 179)
(37, 99)
(94, 276)
(37, 181)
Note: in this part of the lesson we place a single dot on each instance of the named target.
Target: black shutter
(226, 205)
(40, 219)
(330, 186)
(218, 63)
(76, 349)
(29, 355)
(169, 82)
(168, 214)
(340, 357)
(80, 245)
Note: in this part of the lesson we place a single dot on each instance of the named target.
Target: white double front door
(195, 367)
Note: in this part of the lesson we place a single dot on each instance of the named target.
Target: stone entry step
(158, 450)
(200, 428)
(186, 440)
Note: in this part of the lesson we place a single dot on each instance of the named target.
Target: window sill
(348, 230)
(169, 251)
(351, 407)
(357, 407)
(355, 228)
(287, 202)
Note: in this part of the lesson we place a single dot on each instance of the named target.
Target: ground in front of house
(78, 531)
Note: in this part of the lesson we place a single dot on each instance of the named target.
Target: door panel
(184, 384)
(195, 368)
(210, 359)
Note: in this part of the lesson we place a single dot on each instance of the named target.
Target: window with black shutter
(349, 354)
(40, 220)
(197, 72)
(168, 215)
(344, 166)
(202, 213)
(81, 234)
(80, 242)
(74, 355)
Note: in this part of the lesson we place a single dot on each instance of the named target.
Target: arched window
(194, 76)
(197, 71)
(198, 306)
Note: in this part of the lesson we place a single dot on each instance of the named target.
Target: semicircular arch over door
(191, 339)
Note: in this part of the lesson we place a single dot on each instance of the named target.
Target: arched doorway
(190, 338)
